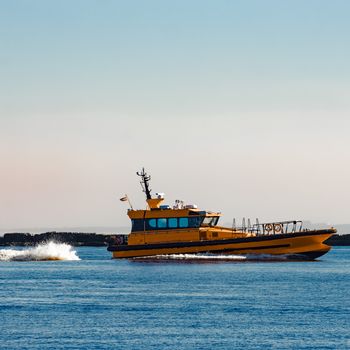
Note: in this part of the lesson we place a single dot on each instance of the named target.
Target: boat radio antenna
(145, 182)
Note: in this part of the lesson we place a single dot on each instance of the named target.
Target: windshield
(210, 220)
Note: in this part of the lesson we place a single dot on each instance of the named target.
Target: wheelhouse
(201, 219)
(161, 218)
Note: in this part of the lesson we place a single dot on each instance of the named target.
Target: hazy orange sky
(237, 106)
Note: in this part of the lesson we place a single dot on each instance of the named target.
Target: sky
(236, 106)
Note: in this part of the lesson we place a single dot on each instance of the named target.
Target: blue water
(100, 303)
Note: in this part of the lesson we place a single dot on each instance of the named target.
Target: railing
(271, 228)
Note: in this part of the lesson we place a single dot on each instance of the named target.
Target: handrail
(273, 228)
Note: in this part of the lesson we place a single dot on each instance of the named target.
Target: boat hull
(308, 245)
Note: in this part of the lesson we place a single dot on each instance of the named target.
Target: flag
(124, 199)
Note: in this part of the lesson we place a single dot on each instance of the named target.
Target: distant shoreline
(99, 239)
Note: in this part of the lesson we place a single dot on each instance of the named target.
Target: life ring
(277, 228)
(268, 227)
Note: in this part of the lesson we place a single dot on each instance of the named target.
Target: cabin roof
(168, 213)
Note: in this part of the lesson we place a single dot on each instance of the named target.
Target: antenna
(145, 182)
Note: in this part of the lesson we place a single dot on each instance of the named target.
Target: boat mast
(145, 182)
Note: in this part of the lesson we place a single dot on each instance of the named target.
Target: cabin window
(152, 223)
(172, 222)
(210, 220)
(161, 223)
(183, 222)
(137, 225)
(195, 221)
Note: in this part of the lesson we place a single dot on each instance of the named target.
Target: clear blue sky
(239, 106)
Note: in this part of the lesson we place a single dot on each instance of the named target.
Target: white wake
(217, 257)
(42, 252)
(201, 257)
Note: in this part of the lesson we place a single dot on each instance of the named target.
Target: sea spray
(44, 251)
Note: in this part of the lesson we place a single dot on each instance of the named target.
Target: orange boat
(184, 229)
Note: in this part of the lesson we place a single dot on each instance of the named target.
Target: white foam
(44, 251)
(222, 257)
(197, 257)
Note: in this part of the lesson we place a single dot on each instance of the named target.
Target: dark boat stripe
(255, 248)
(218, 251)
(217, 242)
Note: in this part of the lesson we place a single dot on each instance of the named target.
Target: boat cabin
(166, 223)
(171, 219)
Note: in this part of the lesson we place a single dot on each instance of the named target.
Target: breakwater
(72, 238)
(339, 240)
(98, 240)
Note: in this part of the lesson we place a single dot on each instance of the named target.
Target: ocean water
(86, 300)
